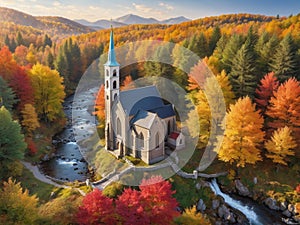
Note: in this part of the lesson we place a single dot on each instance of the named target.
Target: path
(41, 177)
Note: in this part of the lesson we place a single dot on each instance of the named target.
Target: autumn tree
(16, 205)
(12, 143)
(154, 203)
(284, 107)
(265, 90)
(8, 65)
(127, 83)
(30, 118)
(48, 91)
(7, 96)
(191, 216)
(95, 209)
(242, 135)
(281, 145)
(284, 61)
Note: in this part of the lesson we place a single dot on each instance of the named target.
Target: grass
(41, 189)
(136, 162)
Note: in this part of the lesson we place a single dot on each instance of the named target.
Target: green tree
(16, 205)
(7, 41)
(19, 39)
(12, 145)
(7, 96)
(48, 92)
(216, 35)
(242, 75)
(47, 41)
(284, 61)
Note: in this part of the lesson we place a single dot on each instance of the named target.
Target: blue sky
(161, 9)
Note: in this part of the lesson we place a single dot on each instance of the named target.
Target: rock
(215, 204)
(291, 208)
(46, 158)
(223, 211)
(242, 190)
(297, 219)
(198, 186)
(231, 218)
(201, 206)
(255, 180)
(218, 223)
(48, 147)
(271, 203)
(287, 213)
(283, 206)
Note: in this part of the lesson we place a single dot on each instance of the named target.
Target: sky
(93, 10)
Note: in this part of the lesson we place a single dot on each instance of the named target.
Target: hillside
(51, 25)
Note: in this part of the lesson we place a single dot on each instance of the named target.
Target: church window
(115, 96)
(107, 84)
(141, 140)
(114, 84)
(119, 127)
(115, 73)
(107, 97)
(157, 140)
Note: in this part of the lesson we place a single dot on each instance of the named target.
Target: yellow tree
(48, 91)
(127, 83)
(243, 134)
(281, 145)
(191, 216)
(30, 118)
(16, 205)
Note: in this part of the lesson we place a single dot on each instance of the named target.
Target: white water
(247, 211)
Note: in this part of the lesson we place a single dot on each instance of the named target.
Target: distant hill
(48, 24)
(129, 19)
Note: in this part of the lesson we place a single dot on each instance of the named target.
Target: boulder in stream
(201, 206)
(271, 203)
(241, 189)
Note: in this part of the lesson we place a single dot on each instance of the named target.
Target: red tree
(100, 104)
(96, 209)
(265, 90)
(20, 82)
(154, 204)
(8, 65)
(32, 149)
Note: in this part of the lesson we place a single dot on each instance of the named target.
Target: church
(138, 122)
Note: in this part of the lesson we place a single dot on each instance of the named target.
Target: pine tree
(284, 61)
(19, 39)
(216, 35)
(12, 45)
(202, 46)
(242, 75)
(7, 41)
(7, 96)
(243, 134)
(281, 145)
(47, 41)
(12, 145)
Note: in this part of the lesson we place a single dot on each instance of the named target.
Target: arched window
(119, 132)
(115, 96)
(141, 140)
(114, 84)
(115, 73)
(107, 73)
(157, 140)
(107, 84)
(107, 97)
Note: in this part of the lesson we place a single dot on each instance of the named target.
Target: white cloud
(56, 3)
(166, 6)
(142, 8)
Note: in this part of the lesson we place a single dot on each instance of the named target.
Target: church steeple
(112, 86)
(111, 61)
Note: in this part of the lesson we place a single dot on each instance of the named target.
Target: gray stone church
(138, 123)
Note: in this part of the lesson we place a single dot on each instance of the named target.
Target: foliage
(30, 118)
(96, 209)
(127, 83)
(191, 216)
(284, 107)
(48, 91)
(265, 90)
(31, 146)
(12, 143)
(243, 134)
(281, 145)
(16, 205)
(113, 190)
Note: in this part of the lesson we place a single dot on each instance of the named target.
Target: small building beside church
(138, 122)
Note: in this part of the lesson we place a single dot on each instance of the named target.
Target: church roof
(111, 61)
(143, 119)
(164, 111)
(145, 98)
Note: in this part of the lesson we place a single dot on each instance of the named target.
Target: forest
(256, 61)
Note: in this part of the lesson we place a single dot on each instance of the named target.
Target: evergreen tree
(230, 51)
(284, 61)
(19, 39)
(13, 45)
(50, 60)
(242, 75)
(7, 96)
(202, 46)
(216, 35)
(7, 41)
(12, 145)
(47, 41)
